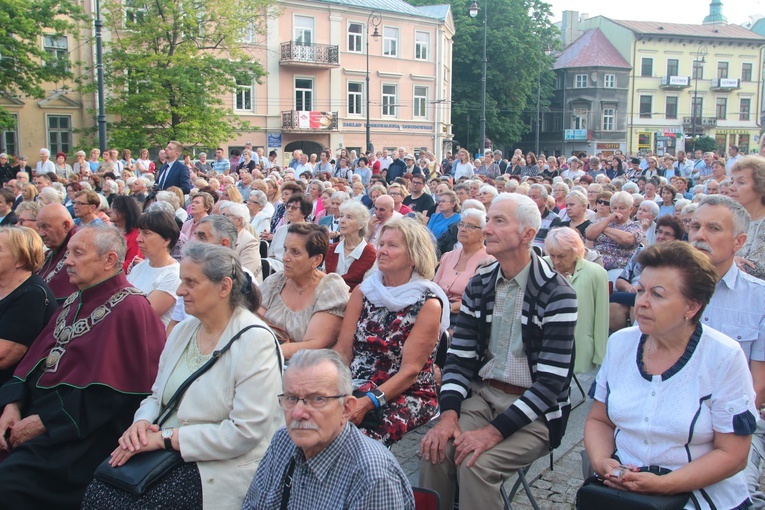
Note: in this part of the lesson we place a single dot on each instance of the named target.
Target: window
(57, 48)
(609, 117)
(59, 133)
(558, 81)
(579, 120)
(646, 67)
(670, 111)
(609, 81)
(580, 81)
(420, 102)
(355, 31)
(721, 108)
(390, 41)
(698, 70)
(646, 106)
(421, 45)
(303, 30)
(389, 100)
(744, 108)
(248, 34)
(355, 97)
(697, 107)
(673, 66)
(135, 12)
(245, 91)
(304, 94)
(10, 140)
(722, 69)
(746, 72)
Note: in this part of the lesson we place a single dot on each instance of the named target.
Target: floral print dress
(378, 347)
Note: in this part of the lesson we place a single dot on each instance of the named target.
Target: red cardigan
(358, 268)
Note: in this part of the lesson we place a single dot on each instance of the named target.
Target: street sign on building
(274, 140)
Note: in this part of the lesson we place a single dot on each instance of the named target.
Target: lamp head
(376, 34)
(473, 10)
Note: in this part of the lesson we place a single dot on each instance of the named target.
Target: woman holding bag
(224, 422)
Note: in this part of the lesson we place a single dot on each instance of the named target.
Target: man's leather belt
(507, 387)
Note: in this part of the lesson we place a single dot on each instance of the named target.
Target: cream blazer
(229, 414)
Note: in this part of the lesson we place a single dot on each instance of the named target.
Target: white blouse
(668, 420)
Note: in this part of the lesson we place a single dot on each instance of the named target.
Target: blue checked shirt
(353, 472)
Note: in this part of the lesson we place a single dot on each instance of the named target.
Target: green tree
(26, 65)
(519, 33)
(704, 143)
(171, 62)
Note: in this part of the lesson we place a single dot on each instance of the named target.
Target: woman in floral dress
(392, 324)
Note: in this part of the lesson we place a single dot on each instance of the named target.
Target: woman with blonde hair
(29, 193)
(232, 194)
(747, 187)
(391, 327)
(26, 302)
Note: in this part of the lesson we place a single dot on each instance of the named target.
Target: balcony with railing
(675, 82)
(701, 124)
(313, 55)
(296, 120)
(725, 84)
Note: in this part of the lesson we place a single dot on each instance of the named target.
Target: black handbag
(145, 470)
(595, 495)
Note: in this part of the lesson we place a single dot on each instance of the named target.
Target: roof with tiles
(592, 49)
(395, 6)
(711, 31)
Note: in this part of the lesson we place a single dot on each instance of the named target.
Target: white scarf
(398, 298)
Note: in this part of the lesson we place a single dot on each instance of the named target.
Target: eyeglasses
(288, 402)
(468, 226)
(395, 194)
(292, 207)
(604, 202)
(80, 203)
(24, 220)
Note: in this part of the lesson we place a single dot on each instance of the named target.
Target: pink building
(315, 93)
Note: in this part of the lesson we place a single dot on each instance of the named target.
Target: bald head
(54, 223)
(384, 207)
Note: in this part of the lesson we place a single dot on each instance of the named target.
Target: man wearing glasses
(419, 201)
(320, 460)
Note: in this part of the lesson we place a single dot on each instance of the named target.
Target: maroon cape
(58, 281)
(121, 351)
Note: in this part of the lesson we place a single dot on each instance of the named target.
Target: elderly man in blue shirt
(718, 228)
(320, 460)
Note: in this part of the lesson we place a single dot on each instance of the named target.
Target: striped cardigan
(547, 328)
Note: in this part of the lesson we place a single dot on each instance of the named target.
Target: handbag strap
(287, 486)
(173, 402)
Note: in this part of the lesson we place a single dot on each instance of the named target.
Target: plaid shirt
(353, 472)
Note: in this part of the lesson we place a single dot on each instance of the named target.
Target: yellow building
(314, 95)
(688, 80)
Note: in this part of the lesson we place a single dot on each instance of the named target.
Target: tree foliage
(704, 143)
(519, 33)
(26, 65)
(171, 62)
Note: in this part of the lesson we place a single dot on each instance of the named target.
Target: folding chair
(581, 390)
(426, 499)
(520, 481)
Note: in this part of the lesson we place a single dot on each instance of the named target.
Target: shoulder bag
(595, 495)
(145, 470)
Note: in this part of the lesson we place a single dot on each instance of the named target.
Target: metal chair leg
(520, 481)
(581, 390)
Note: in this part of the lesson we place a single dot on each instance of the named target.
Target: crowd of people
(397, 291)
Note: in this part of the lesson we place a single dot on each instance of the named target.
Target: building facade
(687, 81)
(315, 93)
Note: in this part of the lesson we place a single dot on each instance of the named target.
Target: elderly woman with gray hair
(460, 265)
(352, 258)
(616, 237)
(247, 245)
(225, 421)
(565, 253)
(259, 217)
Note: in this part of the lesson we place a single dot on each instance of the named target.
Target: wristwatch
(380, 396)
(167, 436)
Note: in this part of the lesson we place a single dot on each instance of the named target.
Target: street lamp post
(100, 77)
(700, 54)
(473, 11)
(374, 20)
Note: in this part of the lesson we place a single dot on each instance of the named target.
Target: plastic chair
(426, 499)
(265, 268)
(264, 248)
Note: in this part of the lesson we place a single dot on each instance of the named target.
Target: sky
(677, 11)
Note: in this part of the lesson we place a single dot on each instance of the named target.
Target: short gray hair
(689, 209)
(527, 211)
(107, 239)
(542, 190)
(653, 206)
(630, 187)
(51, 195)
(741, 218)
(165, 207)
(341, 195)
(238, 210)
(311, 358)
(260, 197)
(359, 211)
(474, 213)
(169, 197)
(219, 262)
(488, 188)
(623, 197)
(472, 203)
(222, 228)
